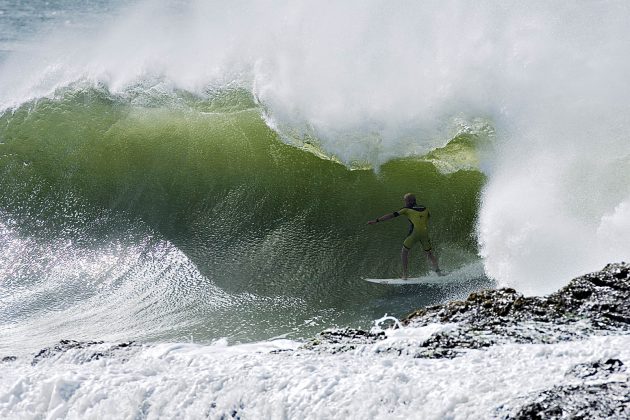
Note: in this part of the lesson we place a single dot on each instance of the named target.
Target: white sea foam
(373, 80)
(249, 381)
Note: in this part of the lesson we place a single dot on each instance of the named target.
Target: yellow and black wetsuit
(418, 226)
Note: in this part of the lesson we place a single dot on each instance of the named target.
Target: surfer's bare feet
(439, 272)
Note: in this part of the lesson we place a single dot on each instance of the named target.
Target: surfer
(418, 216)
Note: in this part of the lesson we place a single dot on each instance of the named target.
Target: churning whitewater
(184, 187)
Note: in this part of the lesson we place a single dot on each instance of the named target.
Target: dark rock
(108, 353)
(7, 359)
(223, 414)
(596, 370)
(65, 345)
(62, 346)
(586, 401)
(347, 339)
(598, 302)
(622, 274)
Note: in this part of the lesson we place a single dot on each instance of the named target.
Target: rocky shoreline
(596, 303)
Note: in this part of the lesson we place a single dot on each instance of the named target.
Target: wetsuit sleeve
(399, 212)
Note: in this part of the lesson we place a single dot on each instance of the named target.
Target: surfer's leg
(428, 249)
(433, 260)
(404, 256)
(404, 253)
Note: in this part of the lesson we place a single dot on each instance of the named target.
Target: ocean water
(202, 172)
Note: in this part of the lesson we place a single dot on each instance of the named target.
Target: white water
(374, 80)
(191, 381)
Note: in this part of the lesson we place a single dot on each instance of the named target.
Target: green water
(252, 214)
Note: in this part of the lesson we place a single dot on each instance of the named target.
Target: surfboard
(429, 280)
(462, 274)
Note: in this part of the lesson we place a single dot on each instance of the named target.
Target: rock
(586, 401)
(346, 339)
(62, 346)
(594, 303)
(65, 345)
(596, 370)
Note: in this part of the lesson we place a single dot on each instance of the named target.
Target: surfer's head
(410, 200)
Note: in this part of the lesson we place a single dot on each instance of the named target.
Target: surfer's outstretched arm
(382, 218)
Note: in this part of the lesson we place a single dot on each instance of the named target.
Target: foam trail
(188, 380)
(371, 81)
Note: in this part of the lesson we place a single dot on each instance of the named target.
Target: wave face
(199, 214)
(186, 127)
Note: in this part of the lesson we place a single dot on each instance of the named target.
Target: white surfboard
(461, 275)
(433, 280)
